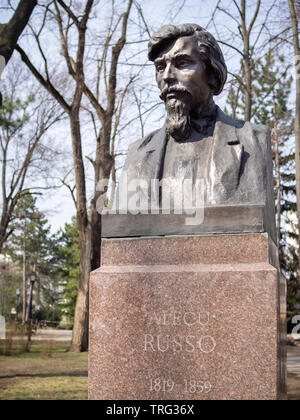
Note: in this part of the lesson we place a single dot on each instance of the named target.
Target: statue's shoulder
(249, 133)
(241, 124)
(133, 146)
(227, 120)
(263, 131)
(258, 134)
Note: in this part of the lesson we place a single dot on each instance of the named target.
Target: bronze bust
(198, 140)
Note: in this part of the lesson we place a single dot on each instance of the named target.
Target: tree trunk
(96, 236)
(248, 91)
(79, 342)
(10, 32)
(297, 116)
(79, 338)
(103, 165)
(278, 179)
(24, 288)
(4, 219)
(247, 62)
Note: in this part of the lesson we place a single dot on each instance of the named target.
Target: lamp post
(32, 279)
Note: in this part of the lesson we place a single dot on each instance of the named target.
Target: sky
(58, 204)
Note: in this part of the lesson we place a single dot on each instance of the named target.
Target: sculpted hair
(209, 49)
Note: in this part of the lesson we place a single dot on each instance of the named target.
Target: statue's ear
(212, 79)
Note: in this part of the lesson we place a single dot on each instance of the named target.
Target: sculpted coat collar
(223, 162)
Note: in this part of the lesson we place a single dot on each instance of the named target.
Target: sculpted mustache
(175, 89)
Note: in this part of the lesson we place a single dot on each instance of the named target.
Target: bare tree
(248, 41)
(23, 151)
(294, 7)
(67, 18)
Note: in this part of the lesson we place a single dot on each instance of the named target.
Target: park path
(293, 360)
(52, 335)
(293, 353)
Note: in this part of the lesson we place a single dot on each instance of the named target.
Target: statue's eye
(183, 62)
(160, 67)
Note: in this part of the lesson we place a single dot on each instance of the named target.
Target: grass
(293, 387)
(47, 372)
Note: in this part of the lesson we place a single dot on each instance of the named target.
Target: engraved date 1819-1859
(190, 386)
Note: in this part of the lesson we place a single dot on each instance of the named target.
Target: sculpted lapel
(152, 153)
(225, 160)
(145, 163)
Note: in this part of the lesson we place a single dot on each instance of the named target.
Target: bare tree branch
(69, 11)
(44, 82)
(258, 5)
(10, 32)
(71, 190)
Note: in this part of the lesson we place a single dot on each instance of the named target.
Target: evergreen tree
(34, 248)
(69, 258)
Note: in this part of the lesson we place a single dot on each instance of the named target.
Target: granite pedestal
(187, 317)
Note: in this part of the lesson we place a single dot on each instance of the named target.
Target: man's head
(200, 44)
(190, 69)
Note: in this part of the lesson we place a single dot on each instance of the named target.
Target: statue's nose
(169, 74)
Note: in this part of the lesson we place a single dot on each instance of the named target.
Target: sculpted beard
(178, 115)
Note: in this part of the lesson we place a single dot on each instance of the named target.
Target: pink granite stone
(210, 249)
(206, 328)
